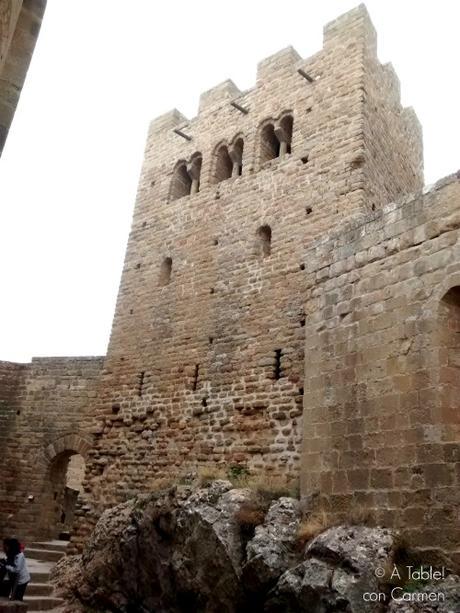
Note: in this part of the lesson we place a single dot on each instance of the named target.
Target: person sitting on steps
(16, 566)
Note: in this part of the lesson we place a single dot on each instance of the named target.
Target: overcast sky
(101, 70)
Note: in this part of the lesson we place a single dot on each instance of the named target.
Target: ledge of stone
(10, 606)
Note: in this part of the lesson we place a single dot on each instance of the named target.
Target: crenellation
(273, 67)
(218, 96)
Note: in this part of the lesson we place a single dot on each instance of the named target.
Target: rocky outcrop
(339, 569)
(439, 597)
(223, 549)
(274, 547)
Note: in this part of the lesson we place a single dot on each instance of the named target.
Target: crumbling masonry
(289, 305)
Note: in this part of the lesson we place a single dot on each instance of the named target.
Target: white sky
(101, 70)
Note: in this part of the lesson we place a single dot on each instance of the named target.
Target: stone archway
(449, 364)
(63, 484)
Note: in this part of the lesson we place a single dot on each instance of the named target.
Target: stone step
(39, 571)
(7, 606)
(42, 603)
(39, 589)
(43, 555)
(40, 576)
(55, 545)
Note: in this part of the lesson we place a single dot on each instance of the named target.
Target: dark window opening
(115, 409)
(302, 322)
(194, 172)
(204, 402)
(211, 340)
(195, 377)
(140, 384)
(181, 184)
(308, 210)
(237, 155)
(302, 266)
(277, 366)
(223, 165)
(304, 159)
(216, 242)
(264, 241)
(270, 145)
(287, 124)
(211, 291)
(165, 271)
(301, 391)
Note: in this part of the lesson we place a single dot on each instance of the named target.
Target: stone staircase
(41, 558)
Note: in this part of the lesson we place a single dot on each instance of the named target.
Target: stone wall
(45, 418)
(205, 365)
(20, 22)
(382, 344)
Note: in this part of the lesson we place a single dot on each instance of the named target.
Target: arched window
(276, 139)
(269, 146)
(181, 184)
(194, 171)
(285, 134)
(165, 271)
(223, 164)
(236, 154)
(263, 241)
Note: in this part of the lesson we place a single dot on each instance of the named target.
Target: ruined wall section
(207, 370)
(47, 407)
(20, 23)
(9, 13)
(381, 421)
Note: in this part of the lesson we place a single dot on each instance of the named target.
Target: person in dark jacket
(15, 565)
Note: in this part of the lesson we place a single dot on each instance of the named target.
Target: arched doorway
(63, 484)
(449, 364)
(62, 488)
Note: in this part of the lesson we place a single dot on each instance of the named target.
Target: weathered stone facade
(381, 411)
(45, 419)
(270, 279)
(206, 360)
(20, 22)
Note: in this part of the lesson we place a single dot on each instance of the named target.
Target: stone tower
(205, 365)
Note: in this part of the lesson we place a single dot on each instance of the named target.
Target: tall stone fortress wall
(206, 361)
(382, 378)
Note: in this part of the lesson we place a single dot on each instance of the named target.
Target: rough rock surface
(274, 547)
(186, 550)
(445, 595)
(339, 569)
